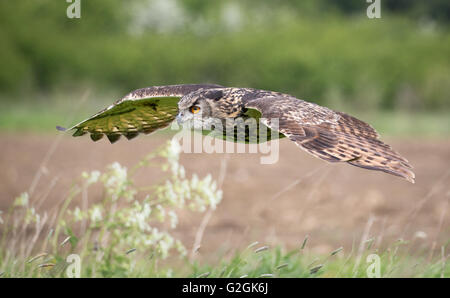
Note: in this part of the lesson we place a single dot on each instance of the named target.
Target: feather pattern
(140, 111)
(324, 133)
(332, 136)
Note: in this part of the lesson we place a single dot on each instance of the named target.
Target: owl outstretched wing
(331, 136)
(141, 111)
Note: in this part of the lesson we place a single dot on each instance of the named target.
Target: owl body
(223, 114)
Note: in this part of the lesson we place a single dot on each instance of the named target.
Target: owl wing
(331, 136)
(141, 111)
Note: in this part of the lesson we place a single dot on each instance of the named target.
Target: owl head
(201, 108)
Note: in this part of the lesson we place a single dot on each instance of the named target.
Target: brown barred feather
(352, 145)
(349, 124)
(342, 139)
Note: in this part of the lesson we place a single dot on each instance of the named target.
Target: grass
(249, 262)
(299, 263)
(41, 113)
(409, 124)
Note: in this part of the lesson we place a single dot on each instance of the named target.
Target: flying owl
(324, 133)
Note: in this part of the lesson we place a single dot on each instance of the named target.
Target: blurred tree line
(323, 50)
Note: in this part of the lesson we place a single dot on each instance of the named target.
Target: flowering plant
(128, 218)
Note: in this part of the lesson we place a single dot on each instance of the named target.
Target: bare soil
(273, 204)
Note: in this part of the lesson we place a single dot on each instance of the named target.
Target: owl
(326, 134)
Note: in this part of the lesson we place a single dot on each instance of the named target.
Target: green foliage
(312, 49)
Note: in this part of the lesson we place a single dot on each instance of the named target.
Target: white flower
(130, 222)
(117, 175)
(77, 214)
(194, 181)
(161, 213)
(173, 219)
(421, 235)
(165, 244)
(32, 216)
(180, 248)
(140, 216)
(96, 214)
(182, 172)
(116, 180)
(174, 167)
(207, 179)
(22, 200)
(92, 177)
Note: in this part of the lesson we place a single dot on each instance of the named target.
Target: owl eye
(194, 109)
